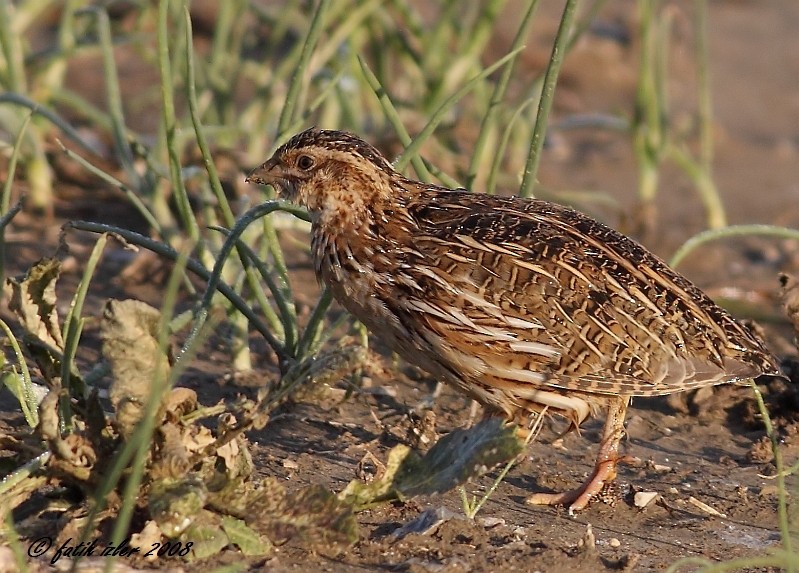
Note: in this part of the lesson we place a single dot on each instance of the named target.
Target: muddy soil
(704, 455)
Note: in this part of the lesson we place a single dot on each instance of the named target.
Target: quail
(525, 305)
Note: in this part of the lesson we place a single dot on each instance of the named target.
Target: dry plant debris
(198, 485)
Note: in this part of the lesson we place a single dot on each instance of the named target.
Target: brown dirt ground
(709, 448)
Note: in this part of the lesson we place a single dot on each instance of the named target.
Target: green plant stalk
(480, 33)
(25, 472)
(491, 183)
(52, 77)
(48, 114)
(732, 231)
(498, 96)
(214, 278)
(392, 115)
(5, 220)
(40, 178)
(287, 330)
(73, 323)
(782, 502)
(286, 119)
(477, 504)
(284, 290)
(256, 147)
(706, 187)
(547, 96)
(114, 93)
(716, 215)
(225, 58)
(28, 402)
(13, 53)
(287, 314)
(295, 85)
(313, 329)
(412, 149)
(277, 323)
(193, 265)
(241, 358)
(134, 199)
(315, 104)
(5, 199)
(353, 20)
(29, 13)
(469, 43)
(648, 173)
(433, 56)
(705, 99)
(326, 334)
(649, 129)
(170, 131)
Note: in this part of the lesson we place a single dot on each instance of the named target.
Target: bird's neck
(349, 243)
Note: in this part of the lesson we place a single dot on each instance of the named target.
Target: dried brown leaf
(130, 343)
(33, 300)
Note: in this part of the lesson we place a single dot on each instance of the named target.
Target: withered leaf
(361, 494)
(130, 343)
(174, 503)
(33, 301)
(245, 538)
(313, 514)
(456, 458)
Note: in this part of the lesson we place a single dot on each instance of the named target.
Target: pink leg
(605, 468)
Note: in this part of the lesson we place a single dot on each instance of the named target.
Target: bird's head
(326, 169)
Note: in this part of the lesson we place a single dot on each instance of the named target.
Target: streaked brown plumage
(525, 305)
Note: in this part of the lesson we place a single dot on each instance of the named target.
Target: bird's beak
(267, 174)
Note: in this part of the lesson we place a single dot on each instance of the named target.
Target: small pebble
(644, 498)
(489, 522)
(290, 465)
(613, 542)
(520, 532)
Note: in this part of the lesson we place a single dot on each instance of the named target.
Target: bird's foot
(577, 499)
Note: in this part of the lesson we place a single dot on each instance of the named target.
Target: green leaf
(455, 459)
(207, 540)
(245, 538)
(458, 457)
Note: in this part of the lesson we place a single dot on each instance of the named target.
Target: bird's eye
(305, 162)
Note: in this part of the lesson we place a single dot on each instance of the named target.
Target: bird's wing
(542, 296)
